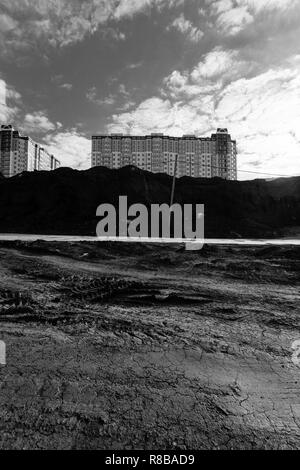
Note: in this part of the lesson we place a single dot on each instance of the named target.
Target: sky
(72, 68)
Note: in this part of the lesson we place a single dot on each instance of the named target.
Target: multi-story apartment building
(196, 156)
(19, 153)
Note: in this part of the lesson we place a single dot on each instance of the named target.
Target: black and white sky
(71, 68)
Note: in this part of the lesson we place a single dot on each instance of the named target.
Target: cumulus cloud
(128, 8)
(92, 97)
(160, 115)
(3, 109)
(61, 83)
(233, 16)
(262, 112)
(187, 104)
(120, 95)
(217, 67)
(7, 23)
(71, 148)
(66, 86)
(236, 86)
(217, 63)
(185, 27)
(235, 20)
(134, 66)
(38, 123)
(264, 5)
(10, 101)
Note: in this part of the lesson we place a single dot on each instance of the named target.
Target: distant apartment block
(19, 153)
(205, 157)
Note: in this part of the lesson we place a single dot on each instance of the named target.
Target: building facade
(205, 157)
(19, 153)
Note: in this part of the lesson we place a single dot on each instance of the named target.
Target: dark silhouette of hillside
(65, 201)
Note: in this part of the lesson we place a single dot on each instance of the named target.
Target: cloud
(7, 23)
(3, 108)
(134, 66)
(258, 6)
(129, 8)
(209, 75)
(61, 83)
(262, 111)
(38, 123)
(185, 27)
(10, 101)
(66, 86)
(122, 90)
(108, 101)
(181, 86)
(160, 115)
(230, 17)
(188, 98)
(235, 20)
(111, 99)
(92, 97)
(11, 112)
(217, 63)
(91, 94)
(127, 105)
(71, 148)
(37, 24)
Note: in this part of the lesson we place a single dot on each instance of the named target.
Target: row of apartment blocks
(207, 157)
(19, 153)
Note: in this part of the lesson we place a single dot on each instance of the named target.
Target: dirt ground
(124, 346)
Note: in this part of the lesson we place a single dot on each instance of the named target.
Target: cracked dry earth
(149, 347)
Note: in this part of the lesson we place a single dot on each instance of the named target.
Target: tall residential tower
(19, 153)
(196, 156)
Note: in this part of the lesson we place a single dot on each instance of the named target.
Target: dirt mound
(65, 201)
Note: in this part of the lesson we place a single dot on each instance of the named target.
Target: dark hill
(65, 201)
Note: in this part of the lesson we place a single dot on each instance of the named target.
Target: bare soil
(124, 346)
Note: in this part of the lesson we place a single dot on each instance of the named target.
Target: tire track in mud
(142, 371)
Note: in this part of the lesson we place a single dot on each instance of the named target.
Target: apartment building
(206, 157)
(19, 153)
